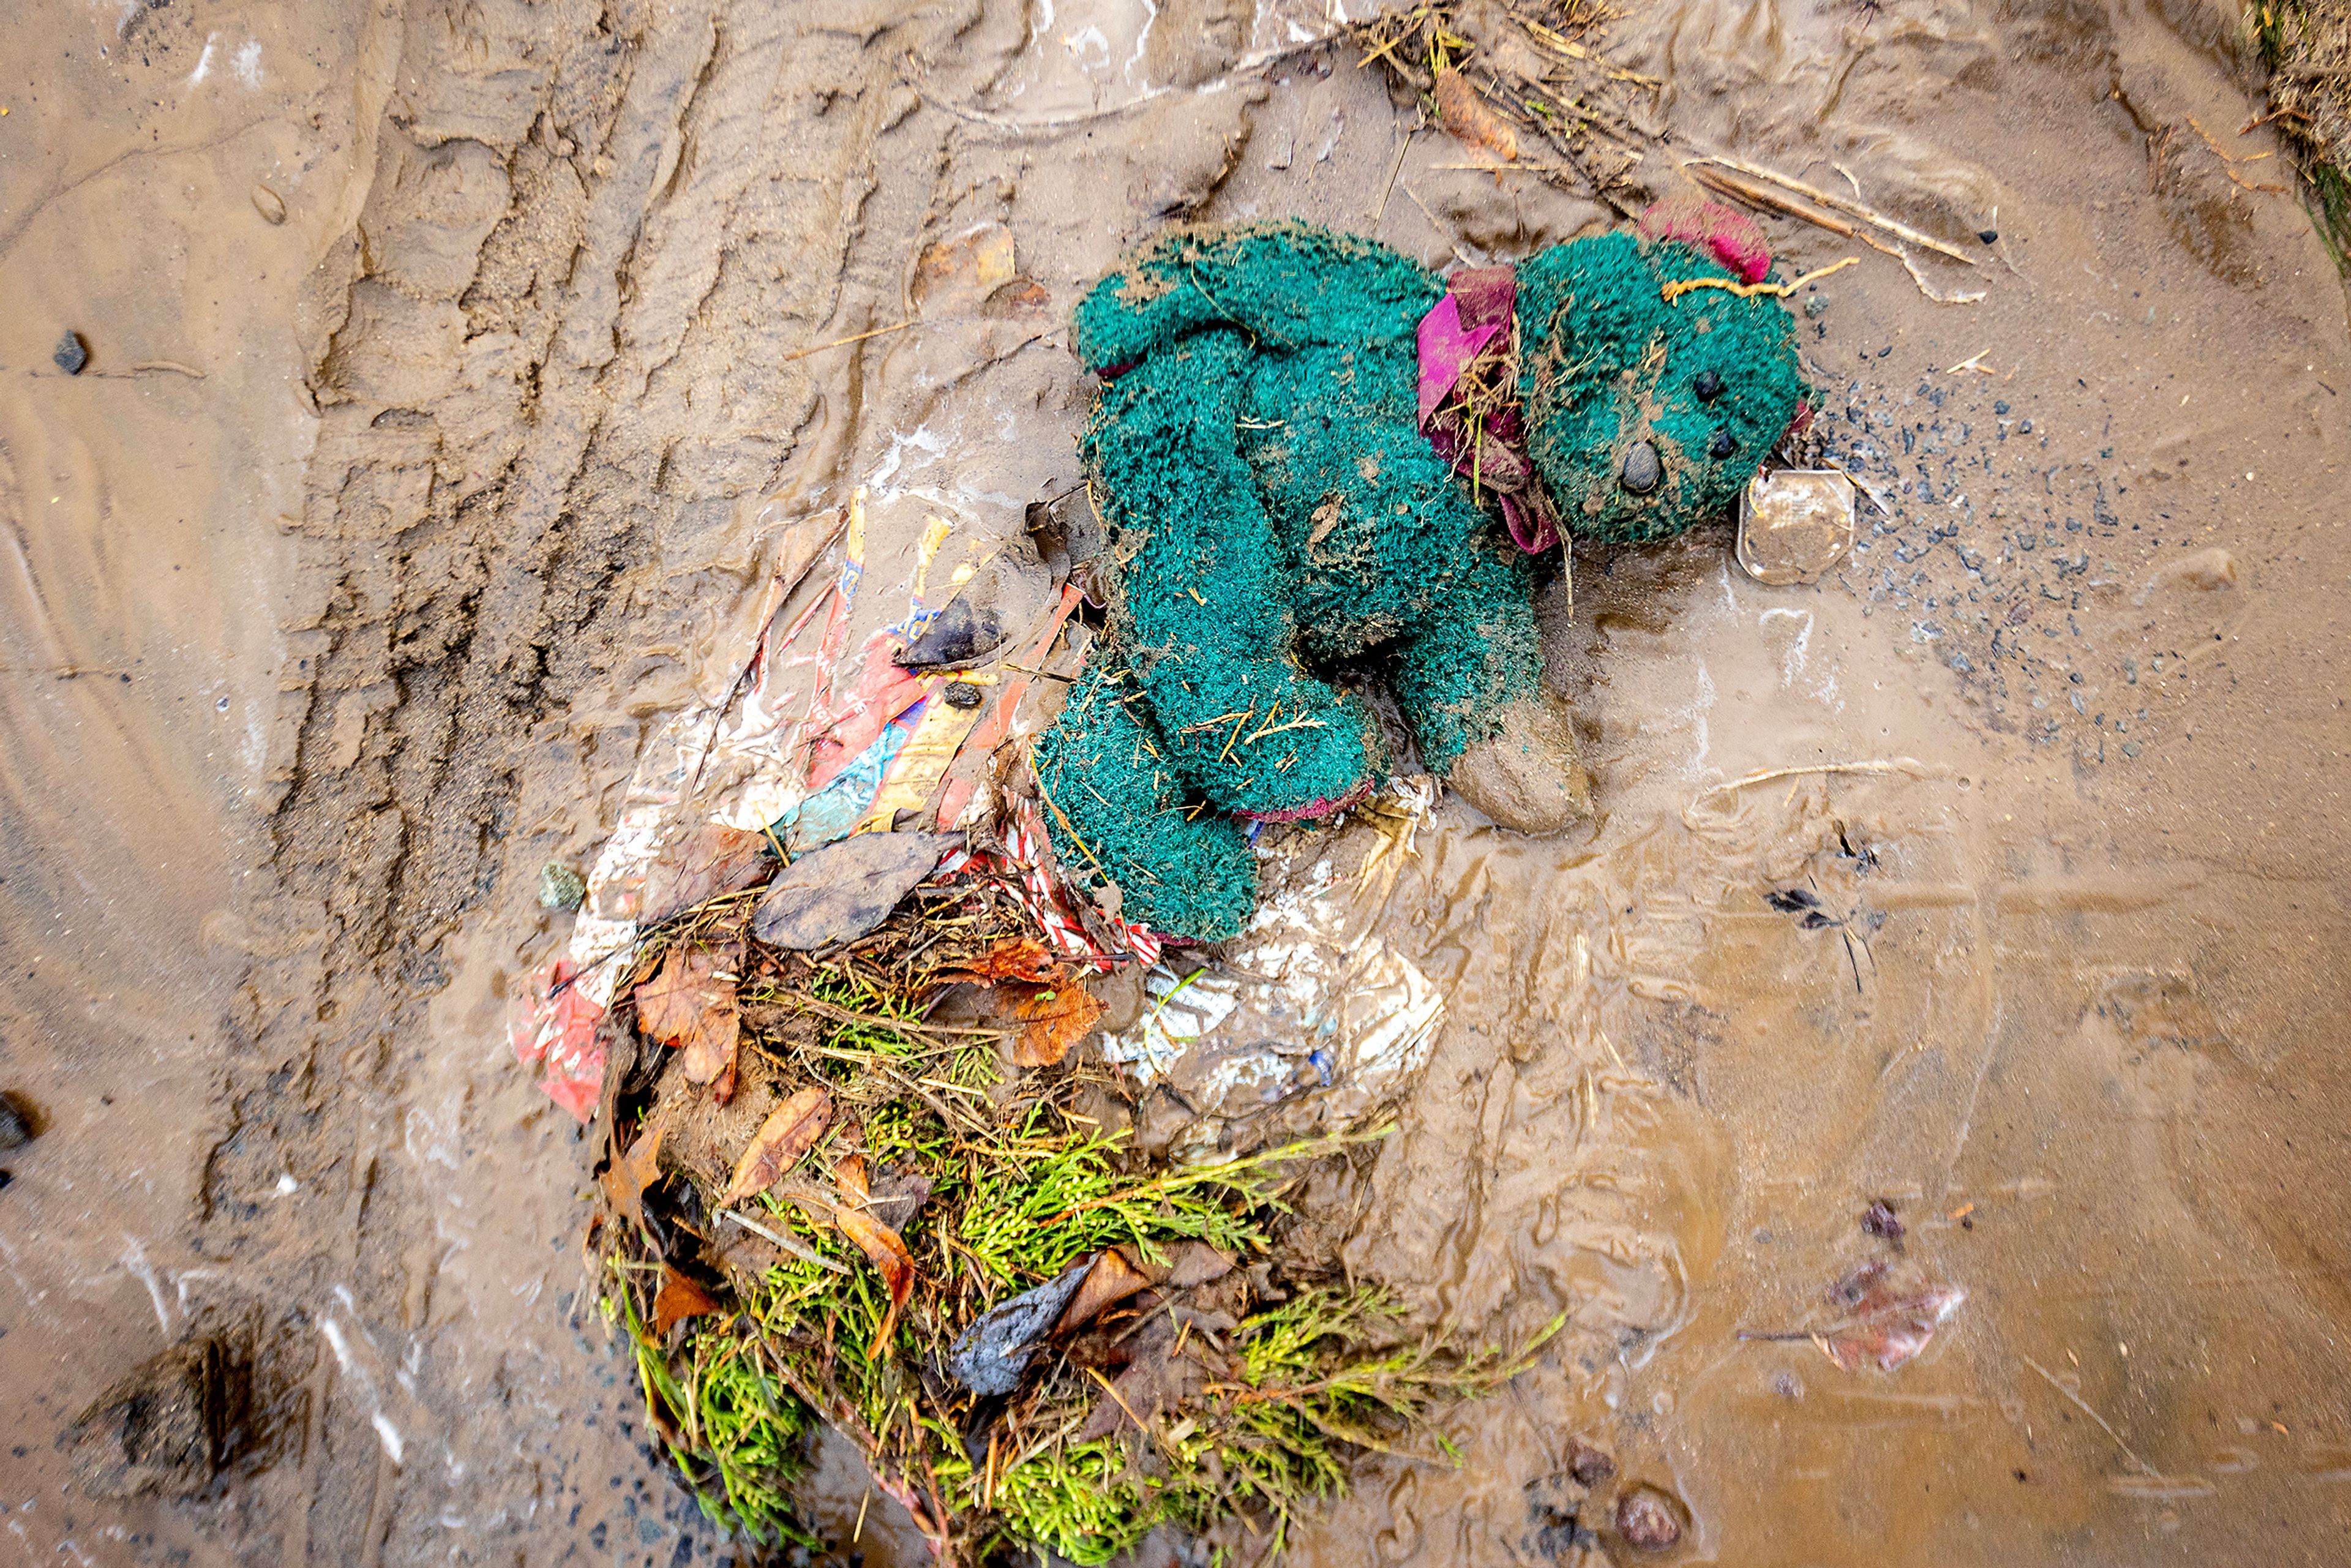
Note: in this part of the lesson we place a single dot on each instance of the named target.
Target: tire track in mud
(593, 238)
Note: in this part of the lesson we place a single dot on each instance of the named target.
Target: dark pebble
(1886, 350)
(6, 1178)
(1589, 1465)
(1645, 1520)
(962, 695)
(2000, 407)
(1707, 385)
(1988, 236)
(16, 1127)
(1816, 307)
(1721, 447)
(1879, 1219)
(71, 353)
(1642, 468)
(2025, 427)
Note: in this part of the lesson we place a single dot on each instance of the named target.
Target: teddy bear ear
(1726, 233)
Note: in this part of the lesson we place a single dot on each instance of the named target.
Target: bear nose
(1641, 469)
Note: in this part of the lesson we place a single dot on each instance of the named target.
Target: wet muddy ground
(446, 364)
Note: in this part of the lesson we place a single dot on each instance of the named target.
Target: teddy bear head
(1649, 407)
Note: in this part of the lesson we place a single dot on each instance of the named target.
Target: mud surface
(445, 363)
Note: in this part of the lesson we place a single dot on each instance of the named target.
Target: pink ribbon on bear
(1469, 325)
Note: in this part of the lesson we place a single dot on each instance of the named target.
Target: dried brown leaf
(790, 1130)
(888, 1254)
(628, 1175)
(1111, 1281)
(702, 864)
(689, 1004)
(1052, 1020)
(1466, 116)
(680, 1298)
(1021, 958)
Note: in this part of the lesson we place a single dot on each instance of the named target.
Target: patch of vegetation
(1205, 1391)
(2307, 49)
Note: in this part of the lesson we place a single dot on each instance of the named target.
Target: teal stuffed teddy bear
(1297, 438)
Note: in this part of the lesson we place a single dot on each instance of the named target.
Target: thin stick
(1441, 231)
(841, 342)
(2084, 1407)
(1843, 205)
(804, 1254)
(1722, 184)
(1389, 189)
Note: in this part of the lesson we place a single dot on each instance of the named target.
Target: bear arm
(1287, 284)
(1205, 594)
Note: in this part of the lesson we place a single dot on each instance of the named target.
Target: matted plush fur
(1273, 507)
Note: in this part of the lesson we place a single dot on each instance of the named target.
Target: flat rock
(841, 891)
(994, 1352)
(166, 1427)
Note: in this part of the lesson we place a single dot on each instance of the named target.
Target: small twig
(1843, 205)
(2084, 1407)
(1389, 189)
(1442, 233)
(857, 337)
(804, 1254)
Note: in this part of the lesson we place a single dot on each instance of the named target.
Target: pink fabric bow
(1471, 322)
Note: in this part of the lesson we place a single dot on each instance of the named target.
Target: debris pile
(862, 1164)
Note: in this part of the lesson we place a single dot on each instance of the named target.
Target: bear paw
(1526, 775)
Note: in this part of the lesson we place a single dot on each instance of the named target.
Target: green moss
(1614, 360)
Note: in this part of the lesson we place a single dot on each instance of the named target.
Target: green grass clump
(1260, 1424)
(2307, 51)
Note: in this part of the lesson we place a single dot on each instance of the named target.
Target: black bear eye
(1707, 385)
(1721, 447)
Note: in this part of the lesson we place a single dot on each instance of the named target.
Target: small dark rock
(962, 695)
(2024, 426)
(16, 1127)
(1879, 1219)
(1642, 468)
(994, 1352)
(1988, 236)
(1012, 589)
(1816, 307)
(167, 1428)
(71, 353)
(561, 888)
(1588, 1465)
(1721, 447)
(1647, 1521)
(2001, 406)
(1708, 384)
(6, 1178)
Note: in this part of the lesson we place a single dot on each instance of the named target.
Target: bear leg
(1471, 688)
(1205, 594)
(1117, 813)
